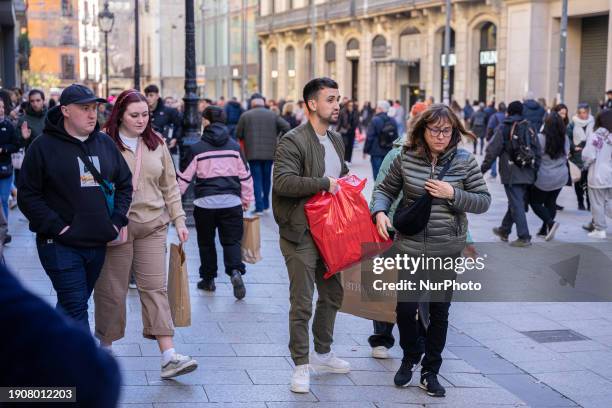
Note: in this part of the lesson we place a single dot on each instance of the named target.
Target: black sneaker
(559, 207)
(207, 285)
(501, 234)
(588, 226)
(429, 382)
(7, 239)
(404, 374)
(542, 232)
(238, 284)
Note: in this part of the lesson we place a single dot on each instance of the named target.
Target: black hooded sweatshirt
(57, 190)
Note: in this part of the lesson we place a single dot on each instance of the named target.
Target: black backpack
(388, 134)
(519, 144)
(480, 119)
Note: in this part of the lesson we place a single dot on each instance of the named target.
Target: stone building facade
(393, 49)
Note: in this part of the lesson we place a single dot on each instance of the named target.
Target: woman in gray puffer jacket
(433, 140)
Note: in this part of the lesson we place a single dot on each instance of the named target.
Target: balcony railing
(339, 10)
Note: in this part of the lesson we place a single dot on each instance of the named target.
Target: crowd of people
(100, 182)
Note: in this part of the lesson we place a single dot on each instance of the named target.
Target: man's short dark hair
(36, 91)
(151, 89)
(312, 88)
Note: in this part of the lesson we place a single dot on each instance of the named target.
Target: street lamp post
(191, 118)
(106, 20)
(136, 47)
(446, 74)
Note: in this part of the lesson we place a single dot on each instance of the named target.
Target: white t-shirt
(333, 165)
(130, 142)
(81, 138)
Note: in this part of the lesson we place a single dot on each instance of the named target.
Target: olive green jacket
(299, 168)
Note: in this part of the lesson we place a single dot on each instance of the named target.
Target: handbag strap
(446, 167)
(93, 170)
(137, 167)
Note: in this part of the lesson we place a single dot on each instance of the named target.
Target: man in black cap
(223, 189)
(75, 190)
(512, 142)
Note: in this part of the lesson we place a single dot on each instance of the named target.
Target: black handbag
(6, 170)
(413, 219)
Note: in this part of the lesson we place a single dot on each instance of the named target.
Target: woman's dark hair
(604, 120)
(6, 98)
(558, 108)
(125, 98)
(434, 114)
(554, 133)
(312, 88)
(501, 107)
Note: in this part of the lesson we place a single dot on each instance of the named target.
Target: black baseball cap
(79, 94)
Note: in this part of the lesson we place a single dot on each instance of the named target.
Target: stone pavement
(244, 360)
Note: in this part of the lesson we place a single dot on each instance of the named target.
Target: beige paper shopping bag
(356, 303)
(251, 241)
(178, 287)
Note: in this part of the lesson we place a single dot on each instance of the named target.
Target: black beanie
(604, 119)
(214, 114)
(515, 108)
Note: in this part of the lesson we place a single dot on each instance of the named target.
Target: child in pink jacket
(223, 189)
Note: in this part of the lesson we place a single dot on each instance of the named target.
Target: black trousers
(544, 204)
(230, 225)
(435, 335)
(580, 187)
(349, 141)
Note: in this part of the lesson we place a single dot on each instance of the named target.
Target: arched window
(274, 72)
(290, 61)
(352, 49)
(379, 47)
(488, 36)
(330, 59)
(308, 60)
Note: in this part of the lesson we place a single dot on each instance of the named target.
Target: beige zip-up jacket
(157, 188)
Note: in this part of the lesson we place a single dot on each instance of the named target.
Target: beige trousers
(145, 254)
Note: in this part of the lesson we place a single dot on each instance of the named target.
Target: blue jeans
(494, 168)
(5, 191)
(376, 163)
(73, 273)
(517, 195)
(261, 170)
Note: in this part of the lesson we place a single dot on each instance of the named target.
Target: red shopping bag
(359, 136)
(340, 223)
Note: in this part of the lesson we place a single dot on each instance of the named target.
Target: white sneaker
(179, 365)
(328, 363)
(300, 379)
(380, 352)
(599, 234)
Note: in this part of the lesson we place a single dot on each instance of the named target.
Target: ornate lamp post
(106, 20)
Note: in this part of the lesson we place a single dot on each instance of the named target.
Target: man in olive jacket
(309, 159)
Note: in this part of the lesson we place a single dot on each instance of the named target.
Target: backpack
(519, 144)
(480, 119)
(388, 134)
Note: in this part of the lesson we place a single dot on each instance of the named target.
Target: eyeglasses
(436, 132)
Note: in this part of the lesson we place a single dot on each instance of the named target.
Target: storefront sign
(352, 53)
(452, 60)
(488, 57)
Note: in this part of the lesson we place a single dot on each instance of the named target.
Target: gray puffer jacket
(445, 233)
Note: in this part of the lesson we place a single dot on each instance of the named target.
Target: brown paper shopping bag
(354, 303)
(251, 241)
(178, 287)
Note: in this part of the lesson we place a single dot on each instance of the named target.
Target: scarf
(579, 134)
